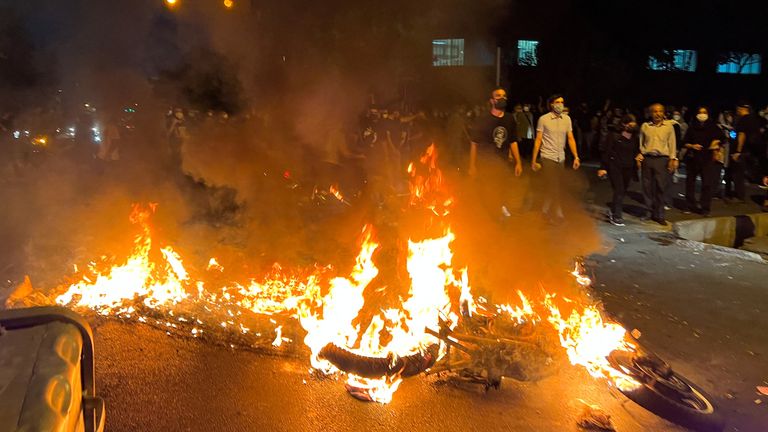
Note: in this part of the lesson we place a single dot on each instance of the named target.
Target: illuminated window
(673, 60)
(740, 63)
(527, 53)
(448, 52)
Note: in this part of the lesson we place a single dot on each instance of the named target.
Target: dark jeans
(552, 174)
(620, 178)
(709, 172)
(734, 178)
(655, 180)
(525, 146)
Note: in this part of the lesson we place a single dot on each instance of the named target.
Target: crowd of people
(723, 151)
(657, 145)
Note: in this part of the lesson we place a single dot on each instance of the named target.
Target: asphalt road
(704, 310)
(701, 309)
(156, 382)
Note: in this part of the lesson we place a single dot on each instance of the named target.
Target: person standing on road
(494, 144)
(177, 134)
(617, 156)
(701, 141)
(747, 140)
(495, 131)
(524, 120)
(657, 159)
(553, 130)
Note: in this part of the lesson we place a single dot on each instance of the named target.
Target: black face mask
(500, 103)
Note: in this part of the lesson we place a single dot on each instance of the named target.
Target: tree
(738, 62)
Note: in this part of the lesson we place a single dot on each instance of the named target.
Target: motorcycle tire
(377, 367)
(671, 396)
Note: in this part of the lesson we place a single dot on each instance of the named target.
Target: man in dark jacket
(617, 154)
(747, 142)
(700, 142)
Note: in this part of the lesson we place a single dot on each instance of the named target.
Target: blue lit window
(740, 63)
(527, 53)
(448, 52)
(673, 60)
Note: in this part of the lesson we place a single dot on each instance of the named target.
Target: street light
(229, 4)
(171, 3)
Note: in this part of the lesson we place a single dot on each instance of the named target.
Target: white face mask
(676, 117)
(702, 117)
(526, 109)
(558, 107)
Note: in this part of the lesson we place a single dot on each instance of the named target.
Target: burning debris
(593, 418)
(395, 312)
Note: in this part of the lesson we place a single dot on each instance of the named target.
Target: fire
(588, 341)
(229, 4)
(332, 309)
(111, 289)
(334, 190)
(521, 313)
(332, 321)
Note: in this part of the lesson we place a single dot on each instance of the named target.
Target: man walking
(493, 145)
(553, 130)
(657, 159)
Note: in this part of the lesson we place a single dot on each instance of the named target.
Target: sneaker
(666, 207)
(616, 221)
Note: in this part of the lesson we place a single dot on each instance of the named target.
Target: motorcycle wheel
(668, 394)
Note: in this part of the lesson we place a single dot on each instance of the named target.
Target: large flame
(330, 308)
(589, 341)
(112, 290)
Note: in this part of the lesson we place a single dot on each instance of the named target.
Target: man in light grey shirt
(657, 159)
(553, 130)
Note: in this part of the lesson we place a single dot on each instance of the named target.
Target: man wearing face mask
(553, 130)
(657, 159)
(495, 132)
(617, 156)
(701, 141)
(493, 141)
(678, 118)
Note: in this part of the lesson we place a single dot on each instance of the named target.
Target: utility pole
(498, 65)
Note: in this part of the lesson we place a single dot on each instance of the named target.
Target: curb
(727, 231)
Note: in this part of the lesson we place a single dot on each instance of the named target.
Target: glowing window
(448, 52)
(673, 60)
(740, 63)
(527, 53)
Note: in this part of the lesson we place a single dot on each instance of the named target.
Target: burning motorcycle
(486, 346)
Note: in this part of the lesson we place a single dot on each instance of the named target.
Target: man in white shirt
(553, 130)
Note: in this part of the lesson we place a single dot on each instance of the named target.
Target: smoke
(293, 78)
(524, 251)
